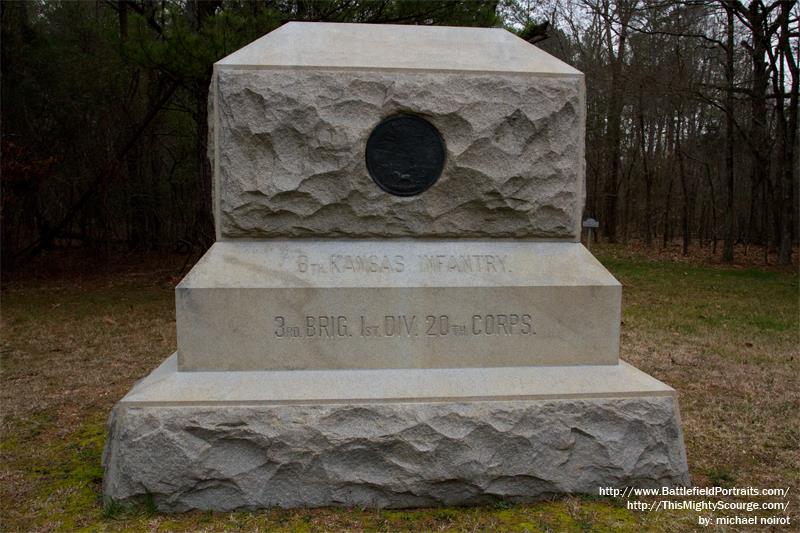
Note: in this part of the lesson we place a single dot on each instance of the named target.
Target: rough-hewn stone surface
(290, 154)
(389, 455)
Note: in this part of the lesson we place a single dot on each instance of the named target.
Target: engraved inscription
(389, 264)
(403, 325)
(501, 324)
(338, 263)
(282, 330)
(464, 263)
(327, 326)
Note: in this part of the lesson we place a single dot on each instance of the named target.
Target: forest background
(692, 131)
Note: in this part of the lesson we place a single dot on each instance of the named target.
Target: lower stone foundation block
(390, 455)
(461, 447)
(228, 456)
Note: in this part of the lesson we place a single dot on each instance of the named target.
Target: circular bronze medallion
(405, 155)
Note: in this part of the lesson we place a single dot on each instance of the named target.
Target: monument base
(230, 440)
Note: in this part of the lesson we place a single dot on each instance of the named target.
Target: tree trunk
(713, 207)
(205, 223)
(727, 252)
(614, 114)
(684, 190)
(666, 235)
(765, 221)
(648, 176)
(759, 140)
(788, 133)
(123, 20)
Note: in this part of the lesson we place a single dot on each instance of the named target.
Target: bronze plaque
(405, 155)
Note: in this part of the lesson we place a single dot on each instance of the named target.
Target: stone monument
(397, 311)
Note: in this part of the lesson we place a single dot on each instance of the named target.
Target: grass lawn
(74, 341)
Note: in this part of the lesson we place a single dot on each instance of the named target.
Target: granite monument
(398, 310)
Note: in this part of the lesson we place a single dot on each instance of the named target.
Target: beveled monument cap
(329, 130)
(392, 46)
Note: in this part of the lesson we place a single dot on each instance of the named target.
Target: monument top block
(328, 130)
(388, 47)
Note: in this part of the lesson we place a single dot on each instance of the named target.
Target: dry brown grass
(75, 339)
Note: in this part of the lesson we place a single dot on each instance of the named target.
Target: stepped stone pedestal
(393, 317)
